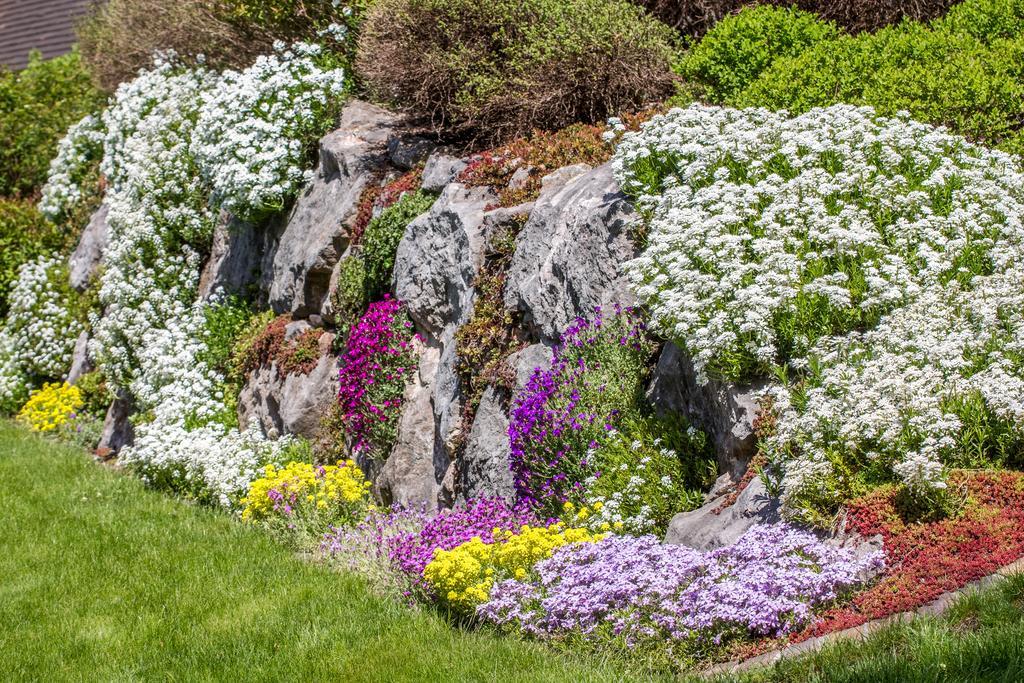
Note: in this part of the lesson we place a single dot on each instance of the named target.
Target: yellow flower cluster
(300, 488)
(464, 575)
(51, 407)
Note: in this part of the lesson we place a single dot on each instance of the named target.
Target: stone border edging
(933, 608)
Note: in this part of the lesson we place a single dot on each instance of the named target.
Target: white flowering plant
(73, 171)
(256, 128)
(44, 319)
(646, 472)
(179, 144)
(873, 263)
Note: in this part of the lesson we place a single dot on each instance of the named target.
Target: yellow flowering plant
(463, 577)
(304, 497)
(51, 407)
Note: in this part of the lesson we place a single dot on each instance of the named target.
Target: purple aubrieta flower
(556, 419)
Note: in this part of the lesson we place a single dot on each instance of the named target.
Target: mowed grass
(102, 580)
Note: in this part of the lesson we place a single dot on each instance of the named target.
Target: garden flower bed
(867, 270)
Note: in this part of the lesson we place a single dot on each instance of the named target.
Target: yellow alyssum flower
(51, 407)
(465, 574)
(301, 488)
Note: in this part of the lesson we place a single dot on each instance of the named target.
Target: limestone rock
(415, 470)
(713, 526)
(81, 363)
(406, 152)
(440, 170)
(235, 257)
(317, 230)
(485, 462)
(294, 404)
(725, 411)
(88, 255)
(117, 429)
(569, 253)
(438, 258)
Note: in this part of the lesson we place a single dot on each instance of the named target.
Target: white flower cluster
(880, 258)
(252, 140)
(40, 326)
(14, 386)
(80, 147)
(769, 232)
(160, 171)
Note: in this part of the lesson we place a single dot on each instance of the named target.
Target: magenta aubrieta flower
(378, 361)
(412, 551)
(562, 412)
(767, 583)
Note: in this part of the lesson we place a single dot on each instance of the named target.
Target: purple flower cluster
(412, 551)
(564, 411)
(765, 584)
(378, 362)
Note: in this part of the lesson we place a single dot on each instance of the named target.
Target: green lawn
(103, 580)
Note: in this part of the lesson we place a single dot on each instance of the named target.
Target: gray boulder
(88, 254)
(294, 404)
(407, 151)
(81, 363)
(235, 257)
(715, 525)
(568, 254)
(485, 462)
(440, 170)
(317, 230)
(417, 467)
(438, 258)
(726, 412)
(117, 428)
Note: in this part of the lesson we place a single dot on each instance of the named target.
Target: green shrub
(119, 37)
(986, 20)
(737, 50)
(380, 241)
(504, 67)
(25, 235)
(974, 87)
(37, 104)
(696, 17)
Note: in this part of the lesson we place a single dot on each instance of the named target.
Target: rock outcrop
(295, 403)
(235, 257)
(316, 234)
(725, 411)
(569, 253)
(718, 523)
(85, 260)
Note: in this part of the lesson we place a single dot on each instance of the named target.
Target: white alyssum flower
(880, 258)
(252, 137)
(80, 147)
(41, 329)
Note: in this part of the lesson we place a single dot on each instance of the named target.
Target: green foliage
(504, 67)
(965, 72)
(365, 275)
(226, 322)
(25, 235)
(735, 52)
(94, 392)
(250, 349)
(37, 104)
(349, 299)
(380, 241)
(651, 469)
